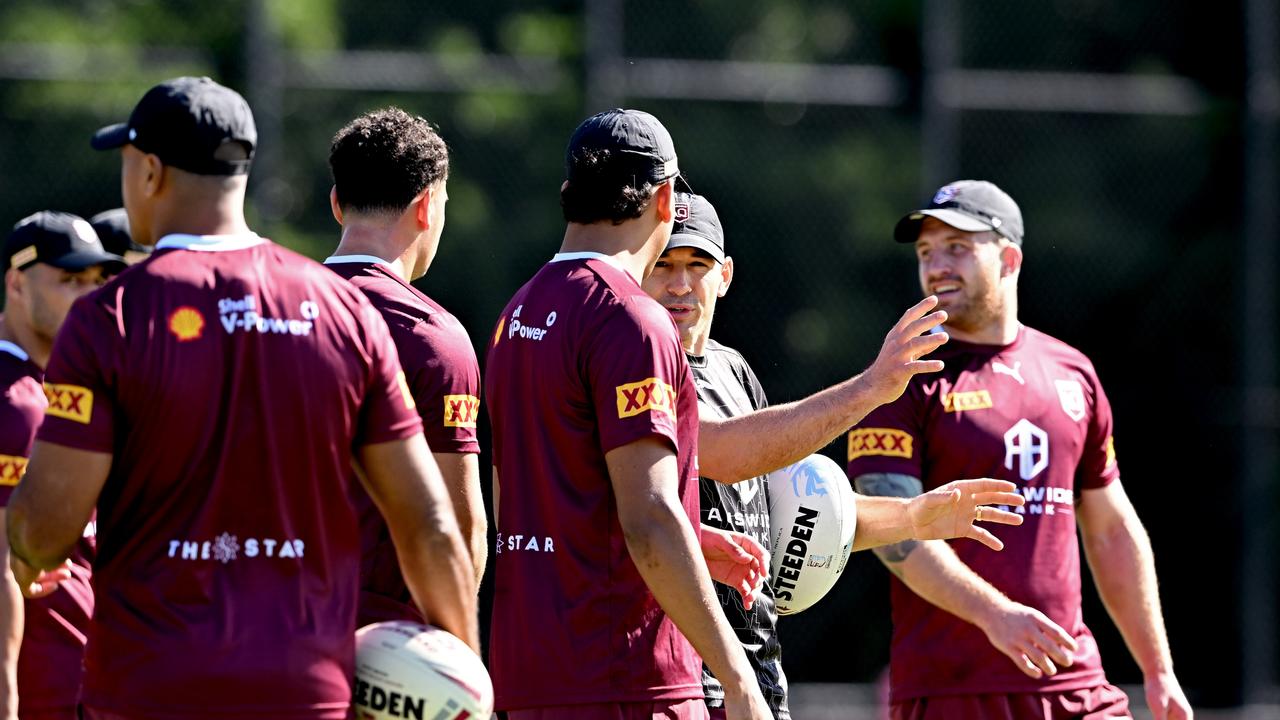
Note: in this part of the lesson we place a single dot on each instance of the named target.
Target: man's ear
(664, 201)
(153, 177)
(1010, 260)
(334, 207)
(13, 284)
(726, 274)
(422, 209)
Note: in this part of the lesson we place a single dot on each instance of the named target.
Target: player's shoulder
(717, 352)
(1056, 350)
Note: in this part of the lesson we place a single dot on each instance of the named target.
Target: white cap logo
(946, 194)
(84, 231)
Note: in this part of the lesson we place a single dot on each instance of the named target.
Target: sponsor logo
(812, 482)
(1111, 450)
(244, 315)
(186, 323)
(405, 392)
(226, 548)
(1000, 368)
(12, 468)
(962, 401)
(497, 334)
(945, 194)
(682, 212)
(1028, 446)
(23, 256)
(461, 410)
(373, 701)
(1071, 395)
(747, 490)
(795, 553)
(525, 543)
(645, 395)
(886, 442)
(69, 402)
(518, 329)
(754, 523)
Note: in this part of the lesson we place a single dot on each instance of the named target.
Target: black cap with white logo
(192, 123)
(697, 226)
(59, 239)
(968, 205)
(641, 149)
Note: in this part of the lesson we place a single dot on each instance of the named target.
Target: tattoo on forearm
(891, 485)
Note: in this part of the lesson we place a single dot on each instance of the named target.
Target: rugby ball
(408, 670)
(812, 517)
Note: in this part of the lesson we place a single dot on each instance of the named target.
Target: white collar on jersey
(209, 243)
(344, 259)
(586, 255)
(14, 350)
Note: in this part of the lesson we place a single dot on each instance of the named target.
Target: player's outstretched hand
(1036, 644)
(952, 511)
(899, 358)
(735, 560)
(38, 583)
(1165, 698)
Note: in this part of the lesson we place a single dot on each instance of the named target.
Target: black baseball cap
(968, 205)
(641, 149)
(697, 226)
(59, 239)
(192, 123)
(112, 227)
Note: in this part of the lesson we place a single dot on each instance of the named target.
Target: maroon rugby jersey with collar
(53, 635)
(231, 379)
(1031, 412)
(582, 362)
(444, 377)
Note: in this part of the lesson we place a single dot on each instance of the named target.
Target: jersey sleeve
(21, 407)
(388, 411)
(79, 381)
(752, 383)
(1098, 467)
(888, 440)
(445, 379)
(634, 366)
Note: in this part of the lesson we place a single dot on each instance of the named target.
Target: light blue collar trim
(345, 259)
(14, 350)
(209, 243)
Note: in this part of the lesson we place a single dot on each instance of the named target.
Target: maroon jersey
(582, 362)
(1031, 412)
(231, 379)
(444, 377)
(53, 635)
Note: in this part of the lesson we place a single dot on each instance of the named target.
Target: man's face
(964, 270)
(687, 282)
(48, 292)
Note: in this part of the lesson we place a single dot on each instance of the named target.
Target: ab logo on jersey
(69, 402)
(646, 395)
(1029, 446)
(885, 442)
(461, 410)
(186, 323)
(12, 468)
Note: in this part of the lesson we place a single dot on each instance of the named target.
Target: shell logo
(186, 323)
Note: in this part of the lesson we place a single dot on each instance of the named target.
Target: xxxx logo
(961, 401)
(886, 442)
(651, 394)
(11, 469)
(70, 402)
(461, 410)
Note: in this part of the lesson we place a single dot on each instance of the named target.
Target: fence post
(940, 141)
(604, 43)
(264, 77)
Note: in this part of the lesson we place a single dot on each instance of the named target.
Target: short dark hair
(599, 193)
(383, 159)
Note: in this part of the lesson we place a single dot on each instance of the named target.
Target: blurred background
(1140, 139)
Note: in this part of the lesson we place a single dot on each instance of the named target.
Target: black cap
(641, 148)
(112, 227)
(191, 123)
(968, 205)
(697, 226)
(59, 239)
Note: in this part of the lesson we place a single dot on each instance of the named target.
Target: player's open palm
(736, 560)
(1165, 698)
(1036, 644)
(899, 358)
(953, 511)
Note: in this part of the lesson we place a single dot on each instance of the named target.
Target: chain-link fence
(1139, 139)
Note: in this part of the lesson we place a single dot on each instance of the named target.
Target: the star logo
(226, 547)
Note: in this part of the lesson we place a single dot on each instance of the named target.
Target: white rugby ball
(812, 517)
(408, 670)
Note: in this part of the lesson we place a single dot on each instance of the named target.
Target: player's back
(237, 377)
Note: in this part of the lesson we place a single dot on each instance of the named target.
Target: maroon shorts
(1096, 703)
(692, 709)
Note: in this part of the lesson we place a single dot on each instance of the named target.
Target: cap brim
(110, 137)
(77, 261)
(908, 228)
(696, 242)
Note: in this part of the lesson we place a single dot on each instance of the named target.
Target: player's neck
(633, 245)
(37, 350)
(1002, 331)
(378, 239)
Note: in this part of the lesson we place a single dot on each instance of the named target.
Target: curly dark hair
(598, 191)
(383, 159)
